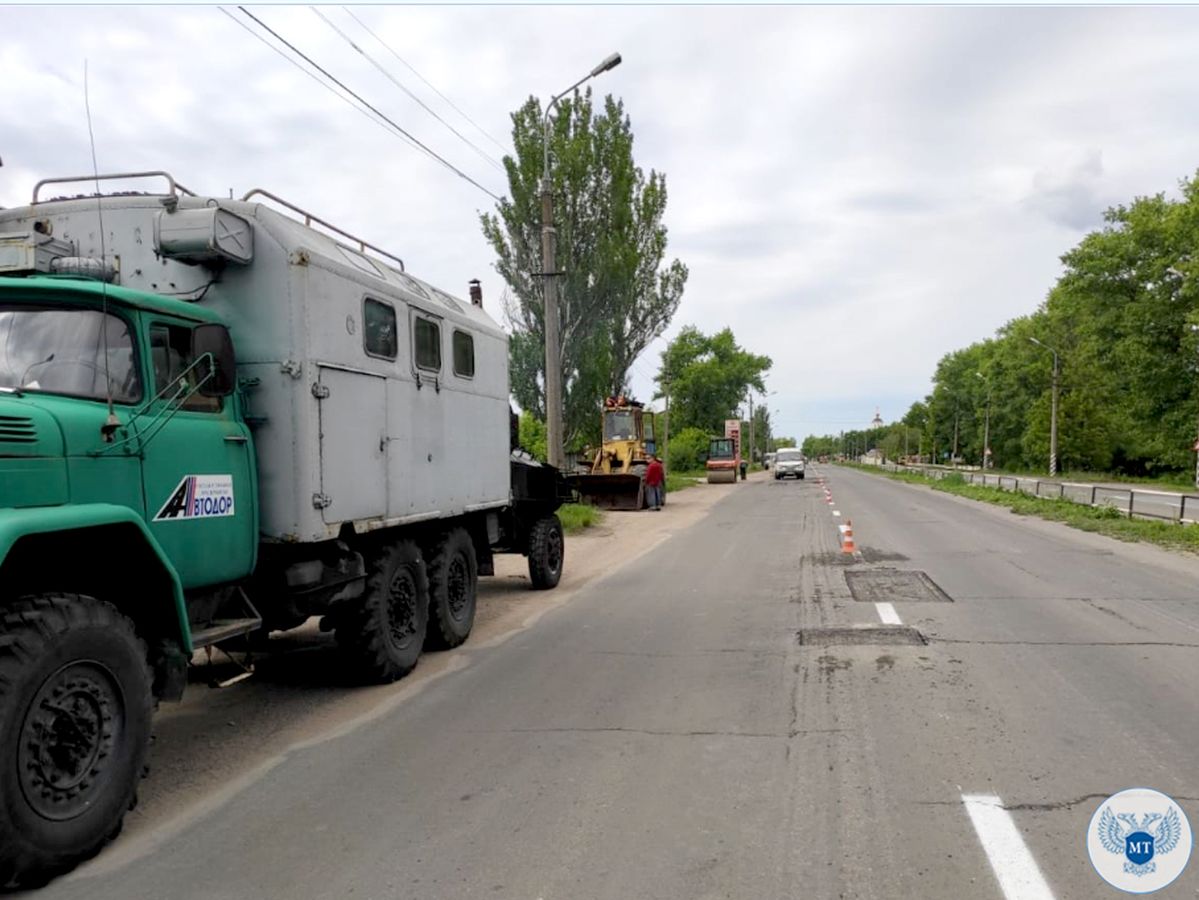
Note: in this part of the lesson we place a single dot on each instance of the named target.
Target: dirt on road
(217, 741)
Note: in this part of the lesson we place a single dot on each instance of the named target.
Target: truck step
(223, 629)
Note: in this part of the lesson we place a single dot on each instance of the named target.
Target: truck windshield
(65, 351)
(789, 456)
(619, 426)
(722, 448)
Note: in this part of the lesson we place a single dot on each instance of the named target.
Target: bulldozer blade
(611, 491)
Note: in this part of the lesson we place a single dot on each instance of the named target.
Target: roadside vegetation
(679, 481)
(578, 517)
(1101, 520)
(1122, 322)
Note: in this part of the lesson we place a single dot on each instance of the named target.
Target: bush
(533, 436)
(688, 450)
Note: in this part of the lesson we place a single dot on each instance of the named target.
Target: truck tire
(547, 550)
(383, 631)
(453, 590)
(75, 712)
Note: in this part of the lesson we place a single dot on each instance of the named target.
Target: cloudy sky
(855, 190)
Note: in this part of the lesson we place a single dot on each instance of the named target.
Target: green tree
(709, 377)
(616, 292)
(688, 449)
(533, 435)
(814, 446)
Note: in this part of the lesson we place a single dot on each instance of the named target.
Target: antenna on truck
(112, 423)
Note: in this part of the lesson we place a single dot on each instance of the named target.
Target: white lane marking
(1013, 864)
(836, 512)
(887, 613)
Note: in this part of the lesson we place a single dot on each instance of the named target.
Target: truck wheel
(75, 711)
(547, 549)
(382, 635)
(453, 589)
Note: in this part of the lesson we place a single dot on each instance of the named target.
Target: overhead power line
(428, 83)
(332, 90)
(419, 144)
(370, 59)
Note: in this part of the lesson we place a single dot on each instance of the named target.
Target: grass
(1100, 520)
(577, 517)
(679, 481)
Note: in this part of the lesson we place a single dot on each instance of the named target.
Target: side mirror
(218, 367)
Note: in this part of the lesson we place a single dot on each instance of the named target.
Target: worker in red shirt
(655, 482)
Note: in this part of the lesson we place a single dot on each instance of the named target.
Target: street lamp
(986, 424)
(1053, 409)
(553, 351)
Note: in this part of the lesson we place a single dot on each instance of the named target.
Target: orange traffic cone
(847, 544)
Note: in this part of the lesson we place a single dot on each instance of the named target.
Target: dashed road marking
(836, 512)
(1017, 872)
(887, 613)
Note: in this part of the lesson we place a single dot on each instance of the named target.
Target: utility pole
(549, 274)
(751, 428)
(954, 460)
(666, 428)
(1053, 411)
(1053, 422)
(986, 462)
(553, 348)
(987, 436)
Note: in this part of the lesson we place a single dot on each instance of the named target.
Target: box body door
(353, 439)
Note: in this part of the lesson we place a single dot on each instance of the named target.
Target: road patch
(885, 585)
(860, 635)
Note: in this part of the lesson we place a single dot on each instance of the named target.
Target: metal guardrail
(1144, 504)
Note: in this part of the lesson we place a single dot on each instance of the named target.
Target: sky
(856, 190)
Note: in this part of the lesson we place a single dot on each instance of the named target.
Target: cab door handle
(236, 438)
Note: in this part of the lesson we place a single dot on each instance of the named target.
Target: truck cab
(109, 412)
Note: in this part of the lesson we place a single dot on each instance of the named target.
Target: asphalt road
(665, 734)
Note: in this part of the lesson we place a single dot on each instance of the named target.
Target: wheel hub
(401, 608)
(67, 739)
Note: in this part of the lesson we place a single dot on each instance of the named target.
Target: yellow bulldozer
(614, 476)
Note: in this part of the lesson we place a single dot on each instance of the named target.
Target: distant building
(873, 457)
(877, 421)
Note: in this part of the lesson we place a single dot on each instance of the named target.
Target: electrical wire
(428, 83)
(345, 37)
(254, 34)
(421, 146)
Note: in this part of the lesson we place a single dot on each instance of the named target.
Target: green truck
(218, 419)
